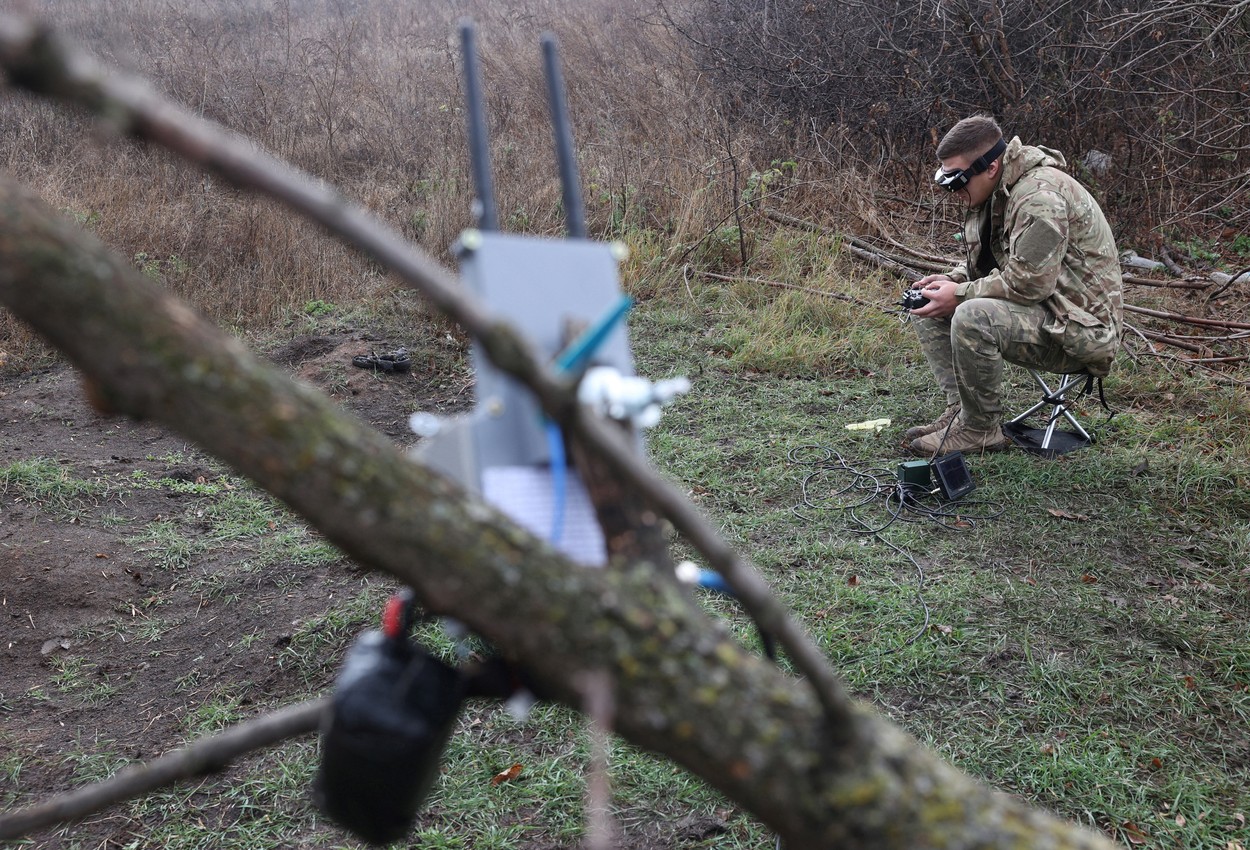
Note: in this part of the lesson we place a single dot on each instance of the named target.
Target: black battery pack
(393, 709)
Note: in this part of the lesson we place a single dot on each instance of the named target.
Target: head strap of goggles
(959, 177)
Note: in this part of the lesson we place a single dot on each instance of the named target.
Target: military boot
(961, 438)
(939, 424)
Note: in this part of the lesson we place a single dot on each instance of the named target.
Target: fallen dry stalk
(783, 285)
(913, 271)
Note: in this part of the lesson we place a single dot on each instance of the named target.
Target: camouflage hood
(1019, 159)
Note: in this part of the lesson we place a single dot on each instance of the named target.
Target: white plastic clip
(628, 398)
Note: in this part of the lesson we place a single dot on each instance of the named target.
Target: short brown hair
(970, 137)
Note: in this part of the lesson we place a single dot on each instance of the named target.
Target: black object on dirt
(396, 361)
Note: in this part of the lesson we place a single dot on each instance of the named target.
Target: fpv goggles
(957, 178)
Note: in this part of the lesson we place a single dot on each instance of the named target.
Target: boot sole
(993, 447)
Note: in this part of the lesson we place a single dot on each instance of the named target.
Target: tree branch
(208, 755)
(771, 747)
(819, 771)
(1165, 284)
(783, 285)
(1189, 320)
(36, 59)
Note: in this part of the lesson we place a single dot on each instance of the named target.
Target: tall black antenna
(574, 211)
(479, 142)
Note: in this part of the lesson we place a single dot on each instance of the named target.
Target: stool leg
(1069, 384)
(1057, 399)
(1077, 425)
(1035, 408)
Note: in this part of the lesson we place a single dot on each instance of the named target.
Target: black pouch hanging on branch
(391, 714)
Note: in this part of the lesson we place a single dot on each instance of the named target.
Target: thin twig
(735, 213)
(685, 278)
(782, 285)
(1241, 358)
(1165, 257)
(36, 59)
(748, 586)
(1165, 284)
(939, 263)
(1200, 363)
(1189, 320)
(866, 250)
(208, 755)
(1231, 280)
(903, 270)
(599, 703)
(1229, 337)
(1145, 339)
(1173, 341)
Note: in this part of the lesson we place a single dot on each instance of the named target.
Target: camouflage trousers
(967, 350)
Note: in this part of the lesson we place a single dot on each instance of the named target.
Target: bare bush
(1162, 85)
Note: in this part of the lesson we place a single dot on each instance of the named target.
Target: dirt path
(158, 589)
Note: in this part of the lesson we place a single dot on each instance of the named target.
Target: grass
(82, 680)
(49, 484)
(1075, 638)
(1077, 641)
(93, 760)
(1083, 647)
(213, 712)
(227, 512)
(167, 545)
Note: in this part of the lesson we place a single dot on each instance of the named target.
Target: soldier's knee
(975, 314)
(980, 324)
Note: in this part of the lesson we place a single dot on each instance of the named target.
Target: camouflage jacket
(1052, 246)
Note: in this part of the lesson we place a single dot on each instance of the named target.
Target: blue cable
(559, 477)
(572, 359)
(579, 350)
(689, 574)
(714, 581)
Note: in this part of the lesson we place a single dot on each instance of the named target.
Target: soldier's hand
(942, 298)
(928, 279)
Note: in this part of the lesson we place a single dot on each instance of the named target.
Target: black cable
(902, 503)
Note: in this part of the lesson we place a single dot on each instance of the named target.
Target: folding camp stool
(1050, 440)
